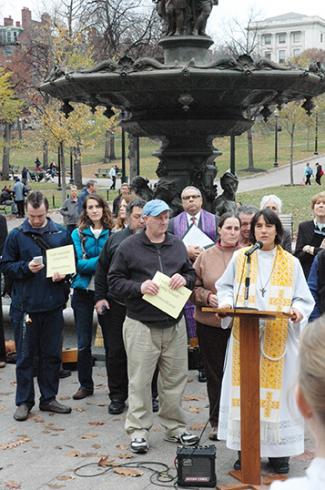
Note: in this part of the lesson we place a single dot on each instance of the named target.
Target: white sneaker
(139, 445)
(185, 439)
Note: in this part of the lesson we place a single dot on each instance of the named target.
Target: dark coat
(104, 262)
(32, 293)
(307, 235)
(136, 260)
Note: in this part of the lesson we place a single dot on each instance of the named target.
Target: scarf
(273, 338)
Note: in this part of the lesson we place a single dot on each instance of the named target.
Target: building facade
(287, 36)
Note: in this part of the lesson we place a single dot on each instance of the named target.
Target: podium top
(246, 312)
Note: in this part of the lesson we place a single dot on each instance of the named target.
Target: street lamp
(316, 131)
(276, 130)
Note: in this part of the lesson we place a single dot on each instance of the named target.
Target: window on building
(267, 55)
(321, 37)
(281, 56)
(267, 38)
(8, 37)
(15, 36)
(296, 37)
(296, 52)
(282, 37)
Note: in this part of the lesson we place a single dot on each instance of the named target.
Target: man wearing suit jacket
(193, 214)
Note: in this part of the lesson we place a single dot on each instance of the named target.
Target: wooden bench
(102, 172)
(287, 222)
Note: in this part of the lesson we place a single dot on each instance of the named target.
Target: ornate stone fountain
(189, 98)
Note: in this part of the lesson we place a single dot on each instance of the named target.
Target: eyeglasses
(194, 196)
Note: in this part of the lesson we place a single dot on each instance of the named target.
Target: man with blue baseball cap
(150, 335)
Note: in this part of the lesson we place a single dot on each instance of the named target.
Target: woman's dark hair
(224, 216)
(271, 218)
(106, 221)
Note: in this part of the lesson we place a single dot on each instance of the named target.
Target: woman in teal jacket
(88, 240)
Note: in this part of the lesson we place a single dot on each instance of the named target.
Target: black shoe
(237, 464)
(280, 465)
(116, 407)
(201, 376)
(82, 393)
(21, 412)
(54, 406)
(155, 405)
(64, 373)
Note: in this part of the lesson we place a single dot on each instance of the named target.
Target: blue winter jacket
(33, 293)
(87, 250)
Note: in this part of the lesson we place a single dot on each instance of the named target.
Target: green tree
(292, 116)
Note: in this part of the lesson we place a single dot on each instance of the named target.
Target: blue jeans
(41, 338)
(83, 309)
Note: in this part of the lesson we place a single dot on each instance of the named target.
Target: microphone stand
(247, 281)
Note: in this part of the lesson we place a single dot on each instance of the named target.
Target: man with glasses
(193, 214)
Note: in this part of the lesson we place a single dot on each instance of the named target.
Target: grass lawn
(263, 140)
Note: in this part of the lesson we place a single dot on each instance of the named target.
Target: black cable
(134, 464)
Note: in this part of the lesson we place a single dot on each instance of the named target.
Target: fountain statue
(189, 98)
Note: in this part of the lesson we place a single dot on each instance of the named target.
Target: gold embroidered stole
(273, 334)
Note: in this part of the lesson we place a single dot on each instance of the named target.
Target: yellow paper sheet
(171, 301)
(61, 260)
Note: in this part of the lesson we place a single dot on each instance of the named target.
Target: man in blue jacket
(37, 304)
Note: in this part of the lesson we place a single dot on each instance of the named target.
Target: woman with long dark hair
(88, 240)
(277, 283)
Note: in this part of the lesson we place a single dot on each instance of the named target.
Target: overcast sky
(222, 14)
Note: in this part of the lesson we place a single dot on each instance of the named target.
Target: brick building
(24, 46)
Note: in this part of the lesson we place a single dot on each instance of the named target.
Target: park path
(277, 176)
(271, 178)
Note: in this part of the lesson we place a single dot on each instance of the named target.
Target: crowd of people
(117, 255)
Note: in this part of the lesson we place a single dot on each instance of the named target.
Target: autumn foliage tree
(10, 109)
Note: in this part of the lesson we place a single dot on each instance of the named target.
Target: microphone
(252, 249)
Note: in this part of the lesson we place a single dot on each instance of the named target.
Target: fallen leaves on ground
(96, 446)
(197, 426)
(125, 456)
(64, 397)
(16, 443)
(73, 453)
(195, 398)
(96, 422)
(122, 446)
(64, 477)
(12, 484)
(128, 471)
(89, 435)
(51, 426)
(2, 408)
(80, 409)
(194, 409)
(37, 418)
(55, 485)
(106, 461)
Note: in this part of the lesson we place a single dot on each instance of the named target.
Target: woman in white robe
(282, 434)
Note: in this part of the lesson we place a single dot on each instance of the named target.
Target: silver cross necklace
(263, 289)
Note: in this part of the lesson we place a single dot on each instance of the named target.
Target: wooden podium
(250, 473)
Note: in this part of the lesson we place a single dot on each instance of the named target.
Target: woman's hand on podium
(224, 307)
(295, 315)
